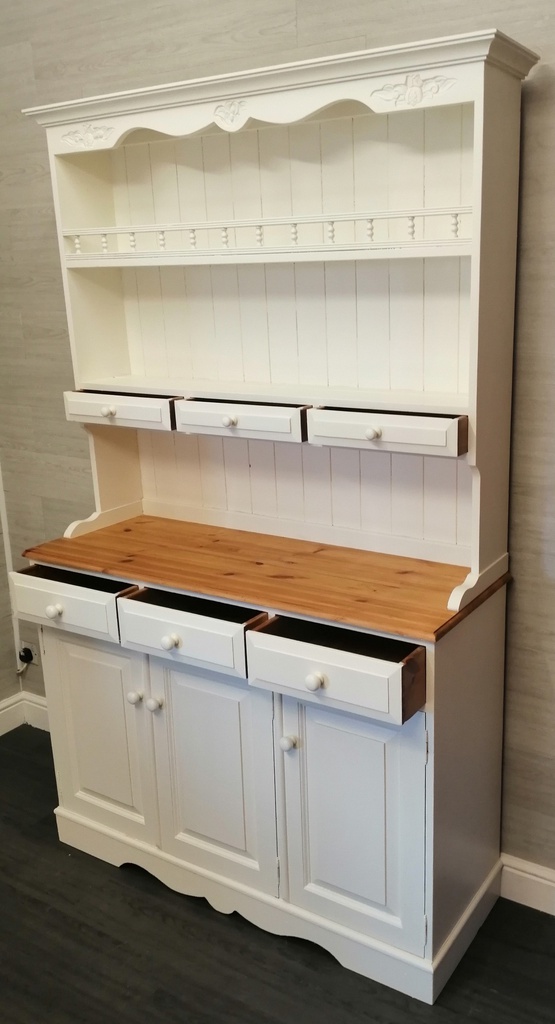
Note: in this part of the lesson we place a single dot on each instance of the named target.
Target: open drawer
(267, 422)
(389, 432)
(373, 676)
(68, 600)
(152, 413)
(187, 630)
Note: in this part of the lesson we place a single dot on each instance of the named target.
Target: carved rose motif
(413, 90)
(87, 135)
(229, 112)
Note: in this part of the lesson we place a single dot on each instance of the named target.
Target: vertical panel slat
(345, 488)
(338, 173)
(440, 500)
(139, 184)
(176, 323)
(251, 281)
(151, 314)
(263, 478)
(148, 477)
(467, 144)
(133, 321)
(464, 326)
(275, 179)
(289, 481)
(217, 182)
(317, 484)
(407, 310)
(188, 469)
(190, 182)
(212, 472)
(371, 190)
(406, 169)
(306, 179)
(375, 492)
(200, 316)
(282, 323)
(120, 191)
(443, 166)
(373, 330)
(227, 323)
(311, 323)
(407, 504)
(237, 481)
(341, 324)
(165, 467)
(464, 503)
(245, 182)
(165, 189)
(441, 323)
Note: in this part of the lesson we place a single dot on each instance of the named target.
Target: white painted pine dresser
(274, 652)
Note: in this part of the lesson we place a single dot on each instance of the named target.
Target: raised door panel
(101, 734)
(214, 758)
(354, 805)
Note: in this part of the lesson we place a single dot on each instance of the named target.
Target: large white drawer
(373, 676)
(241, 419)
(187, 630)
(389, 432)
(119, 410)
(68, 600)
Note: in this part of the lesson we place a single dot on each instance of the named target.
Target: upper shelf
(366, 235)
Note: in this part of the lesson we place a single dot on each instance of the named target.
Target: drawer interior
(76, 579)
(338, 638)
(196, 605)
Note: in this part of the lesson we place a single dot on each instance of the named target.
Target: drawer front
(235, 419)
(119, 410)
(421, 435)
(64, 606)
(369, 686)
(183, 637)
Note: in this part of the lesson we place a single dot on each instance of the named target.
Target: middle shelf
(300, 332)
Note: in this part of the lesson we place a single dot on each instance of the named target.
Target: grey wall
(53, 50)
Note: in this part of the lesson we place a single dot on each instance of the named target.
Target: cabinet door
(214, 761)
(354, 816)
(101, 733)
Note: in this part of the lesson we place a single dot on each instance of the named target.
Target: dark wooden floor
(82, 942)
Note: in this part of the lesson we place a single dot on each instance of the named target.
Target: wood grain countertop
(388, 593)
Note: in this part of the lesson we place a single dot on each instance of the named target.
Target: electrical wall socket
(32, 647)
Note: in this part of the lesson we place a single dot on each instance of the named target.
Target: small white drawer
(187, 630)
(372, 676)
(241, 419)
(119, 410)
(68, 600)
(389, 432)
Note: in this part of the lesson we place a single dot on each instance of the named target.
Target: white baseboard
(23, 709)
(530, 884)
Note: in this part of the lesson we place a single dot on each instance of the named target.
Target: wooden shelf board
(387, 593)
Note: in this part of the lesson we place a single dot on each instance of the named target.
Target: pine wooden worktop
(391, 594)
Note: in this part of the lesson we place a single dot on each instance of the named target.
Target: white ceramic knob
(229, 421)
(373, 433)
(134, 697)
(288, 742)
(108, 410)
(53, 611)
(154, 703)
(170, 641)
(315, 680)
